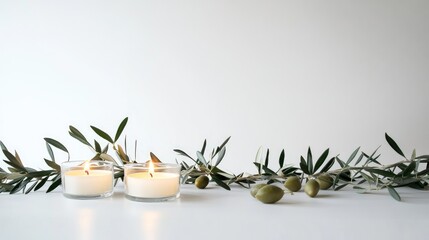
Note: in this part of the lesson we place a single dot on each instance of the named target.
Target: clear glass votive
(87, 179)
(152, 182)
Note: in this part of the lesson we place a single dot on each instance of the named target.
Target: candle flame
(151, 168)
(86, 167)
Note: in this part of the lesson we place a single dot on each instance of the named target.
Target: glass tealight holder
(87, 179)
(156, 183)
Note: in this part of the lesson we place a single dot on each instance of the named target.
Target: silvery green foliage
(364, 172)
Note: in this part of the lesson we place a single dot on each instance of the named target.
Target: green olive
(311, 188)
(269, 194)
(325, 181)
(293, 184)
(256, 188)
(201, 182)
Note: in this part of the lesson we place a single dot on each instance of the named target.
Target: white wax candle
(78, 182)
(159, 185)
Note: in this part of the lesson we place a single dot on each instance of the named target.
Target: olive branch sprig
(362, 171)
(202, 167)
(26, 179)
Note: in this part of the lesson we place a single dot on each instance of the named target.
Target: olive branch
(362, 171)
(26, 179)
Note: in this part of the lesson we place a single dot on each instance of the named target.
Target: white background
(279, 74)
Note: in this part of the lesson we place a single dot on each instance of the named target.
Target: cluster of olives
(271, 194)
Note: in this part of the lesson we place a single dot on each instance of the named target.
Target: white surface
(216, 214)
(282, 74)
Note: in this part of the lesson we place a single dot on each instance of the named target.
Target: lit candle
(87, 181)
(155, 182)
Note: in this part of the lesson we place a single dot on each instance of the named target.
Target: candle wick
(87, 172)
(151, 175)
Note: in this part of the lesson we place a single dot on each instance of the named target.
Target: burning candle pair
(146, 182)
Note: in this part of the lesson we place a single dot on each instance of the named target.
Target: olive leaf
(394, 145)
(267, 157)
(13, 161)
(50, 152)
(105, 149)
(58, 145)
(394, 193)
(121, 128)
(221, 146)
(269, 171)
(289, 171)
(282, 158)
(21, 184)
(107, 157)
(370, 158)
(258, 156)
(340, 187)
(135, 149)
(303, 165)
(410, 168)
(328, 165)
(78, 135)
(219, 182)
(183, 154)
(201, 158)
(309, 161)
(368, 178)
(39, 174)
(97, 146)
(359, 159)
(381, 172)
(154, 158)
(53, 165)
(31, 187)
(102, 134)
(321, 160)
(124, 156)
(56, 182)
(220, 156)
(352, 156)
(360, 189)
(18, 158)
(2, 146)
(203, 148)
(41, 183)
